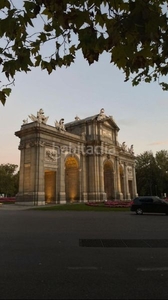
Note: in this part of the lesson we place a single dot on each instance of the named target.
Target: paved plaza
(82, 255)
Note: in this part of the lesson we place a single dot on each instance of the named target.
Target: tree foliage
(9, 179)
(152, 173)
(134, 33)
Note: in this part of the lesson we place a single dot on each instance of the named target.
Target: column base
(84, 197)
(120, 196)
(94, 196)
(62, 198)
(30, 199)
(103, 196)
(128, 197)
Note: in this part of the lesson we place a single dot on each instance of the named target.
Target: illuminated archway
(71, 179)
(109, 179)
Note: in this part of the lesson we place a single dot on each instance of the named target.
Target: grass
(80, 207)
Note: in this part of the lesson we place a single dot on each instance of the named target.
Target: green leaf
(164, 86)
(48, 28)
(6, 91)
(3, 94)
(29, 6)
(47, 65)
(38, 60)
(2, 97)
(133, 33)
(4, 3)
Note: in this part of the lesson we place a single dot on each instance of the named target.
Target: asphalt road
(73, 255)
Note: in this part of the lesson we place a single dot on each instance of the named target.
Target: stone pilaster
(126, 181)
(118, 189)
(62, 194)
(103, 195)
(84, 195)
(135, 194)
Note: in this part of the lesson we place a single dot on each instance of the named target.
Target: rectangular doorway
(130, 188)
(50, 187)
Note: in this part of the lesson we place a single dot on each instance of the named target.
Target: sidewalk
(21, 207)
(15, 207)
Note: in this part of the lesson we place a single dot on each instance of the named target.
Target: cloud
(126, 122)
(158, 143)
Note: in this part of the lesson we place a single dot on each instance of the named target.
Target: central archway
(72, 179)
(109, 179)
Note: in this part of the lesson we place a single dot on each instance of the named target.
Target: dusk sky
(140, 112)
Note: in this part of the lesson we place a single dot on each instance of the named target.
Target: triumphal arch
(78, 161)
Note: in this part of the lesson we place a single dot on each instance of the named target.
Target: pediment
(109, 124)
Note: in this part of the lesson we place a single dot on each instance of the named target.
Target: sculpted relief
(50, 155)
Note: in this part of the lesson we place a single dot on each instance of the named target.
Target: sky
(140, 112)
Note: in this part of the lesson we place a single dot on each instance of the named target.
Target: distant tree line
(9, 180)
(152, 173)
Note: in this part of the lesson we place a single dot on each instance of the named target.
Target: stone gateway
(78, 161)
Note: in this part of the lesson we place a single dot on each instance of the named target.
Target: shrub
(7, 200)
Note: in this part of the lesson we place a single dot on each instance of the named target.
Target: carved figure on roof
(77, 118)
(60, 125)
(124, 146)
(131, 149)
(101, 115)
(25, 121)
(57, 126)
(40, 117)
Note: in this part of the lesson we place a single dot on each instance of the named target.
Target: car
(149, 204)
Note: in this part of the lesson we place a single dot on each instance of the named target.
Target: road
(82, 255)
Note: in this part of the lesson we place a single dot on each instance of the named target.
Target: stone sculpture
(40, 117)
(25, 121)
(101, 115)
(131, 149)
(60, 125)
(77, 118)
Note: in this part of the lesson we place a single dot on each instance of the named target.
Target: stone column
(135, 194)
(62, 194)
(91, 177)
(119, 194)
(40, 175)
(103, 195)
(19, 196)
(95, 175)
(126, 181)
(84, 194)
(56, 185)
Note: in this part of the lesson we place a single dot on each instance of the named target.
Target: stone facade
(75, 162)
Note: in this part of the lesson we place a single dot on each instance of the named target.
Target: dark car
(149, 204)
